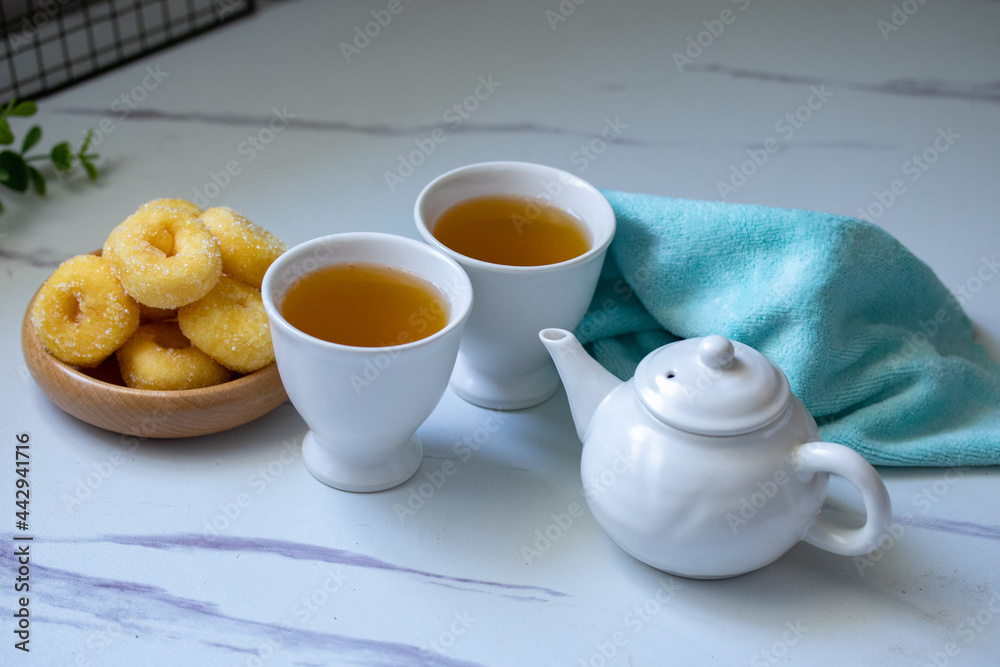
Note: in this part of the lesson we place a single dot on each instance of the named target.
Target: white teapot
(705, 464)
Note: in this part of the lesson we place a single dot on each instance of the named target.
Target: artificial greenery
(16, 171)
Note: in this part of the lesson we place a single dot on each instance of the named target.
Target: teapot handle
(827, 457)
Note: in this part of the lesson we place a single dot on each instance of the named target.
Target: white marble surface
(124, 567)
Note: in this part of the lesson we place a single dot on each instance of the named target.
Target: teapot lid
(711, 386)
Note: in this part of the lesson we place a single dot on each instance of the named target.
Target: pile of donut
(174, 295)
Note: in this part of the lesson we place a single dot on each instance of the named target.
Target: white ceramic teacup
(363, 405)
(501, 363)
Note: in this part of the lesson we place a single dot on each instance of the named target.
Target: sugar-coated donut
(181, 204)
(164, 257)
(230, 325)
(159, 357)
(247, 249)
(82, 314)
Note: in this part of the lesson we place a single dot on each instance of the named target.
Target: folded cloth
(876, 347)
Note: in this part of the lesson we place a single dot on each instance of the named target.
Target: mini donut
(230, 325)
(181, 204)
(247, 249)
(164, 257)
(82, 314)
(159, 357)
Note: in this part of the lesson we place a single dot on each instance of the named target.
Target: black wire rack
(51, 44)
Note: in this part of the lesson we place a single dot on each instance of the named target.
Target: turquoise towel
(876, 347)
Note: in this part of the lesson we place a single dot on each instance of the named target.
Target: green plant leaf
(13, 171)
(89, 166)
(37, 180)
(24, 109)
(62, 156)
(30, 139)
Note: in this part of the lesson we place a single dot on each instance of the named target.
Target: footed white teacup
(363, 404)
(502, 365)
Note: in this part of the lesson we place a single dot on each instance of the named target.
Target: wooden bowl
(145, 413)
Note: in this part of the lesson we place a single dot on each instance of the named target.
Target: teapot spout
(587, 382)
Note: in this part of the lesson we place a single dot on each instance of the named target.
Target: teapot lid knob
(711, 386)
(716, 352)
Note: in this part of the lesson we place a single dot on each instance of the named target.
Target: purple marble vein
(372, 129)
(300, 551)
(145, 610)
(383, 130)
(955, 527)
(988, 91)
(43, 258)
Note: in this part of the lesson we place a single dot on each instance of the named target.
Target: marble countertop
(223, 550)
